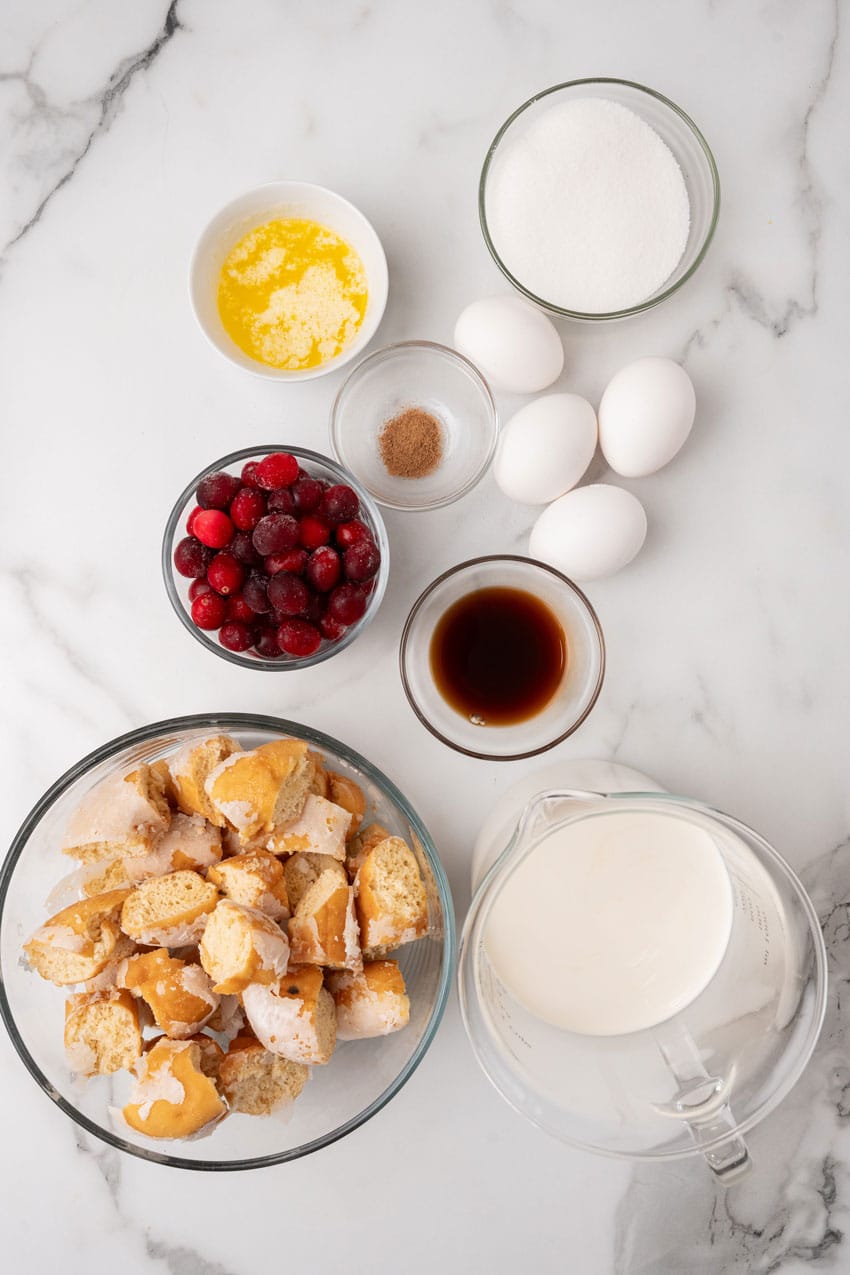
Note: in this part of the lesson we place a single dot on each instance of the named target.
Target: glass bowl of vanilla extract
(502, 657)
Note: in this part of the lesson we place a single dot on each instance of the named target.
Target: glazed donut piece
(102, 1032)
(120, 815)
(321, 828)
(302, 870)
(346, 793)
(371, 1003)
(323, 929)
(173, 1097)
(242, 946)
(295, 1018)
(261, 790)
(392, 907)
(360, 846)
(180, 996)
(169, 911)
(256, 1081)
(255, 879)
(76, 943)
(191, 766)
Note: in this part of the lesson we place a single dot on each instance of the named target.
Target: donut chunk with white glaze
(121, 815)
(261, 790)
(295, 1018)
(102, 1032)
(392, 907)
(169, 911)
(173, 1097)
(371, 1003)
(255, 879)
(191, 766)
(76, 943)
(242, 946)
(323, 928)
(256, 1081)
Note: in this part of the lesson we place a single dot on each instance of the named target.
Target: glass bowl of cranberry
(275, 558)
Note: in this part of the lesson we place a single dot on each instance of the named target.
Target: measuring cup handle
(730, 1161)
(700, 1105)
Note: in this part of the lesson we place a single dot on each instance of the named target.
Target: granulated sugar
(588, 209)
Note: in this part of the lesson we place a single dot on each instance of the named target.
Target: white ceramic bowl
(284, 199)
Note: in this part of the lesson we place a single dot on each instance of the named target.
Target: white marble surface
(122, 127)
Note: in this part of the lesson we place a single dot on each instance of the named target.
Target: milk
(614, 923)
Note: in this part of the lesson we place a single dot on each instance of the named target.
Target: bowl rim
(651, 302)
(293, 663)
(246, 721)
(447, 352)
(366, 331)
(583, 600)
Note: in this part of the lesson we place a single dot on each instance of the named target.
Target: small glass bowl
(177, 586)
(252, 209)
(363, 1075)
(680, 134)
(570, 704)
(442, 382)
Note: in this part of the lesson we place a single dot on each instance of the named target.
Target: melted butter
(292, 294)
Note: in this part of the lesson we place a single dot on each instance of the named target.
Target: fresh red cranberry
(331, 628)
(351, 533)
(249, 473)
(307, 494)
(314, 531)
(208, 611)
(190, 521)
(324, 569)
(340, 504)
(242, 548)
(236, 608)
(265, 642)
(294, 560)
(299, 637)
(198, 588)
(213, 528)
(247, 508)
(217, 490)
(254, 592)
(234, 636)
(277, 470)
(361, 561)
(281, 501)
(225, 574)
(191, 558)
(275, 533)
(347, 603)
(288, 594)
(315, 607)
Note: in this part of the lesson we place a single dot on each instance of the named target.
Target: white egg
(645, 416)
(516, 347)
(591, 532)
(545, 448)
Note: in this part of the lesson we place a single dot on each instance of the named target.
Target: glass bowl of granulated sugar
(598, 198)
(416, 425)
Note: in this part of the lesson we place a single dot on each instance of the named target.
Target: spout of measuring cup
(536, 818)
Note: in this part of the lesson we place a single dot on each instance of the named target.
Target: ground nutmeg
(411, 443)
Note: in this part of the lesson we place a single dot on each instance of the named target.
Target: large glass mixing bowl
(363, 1075)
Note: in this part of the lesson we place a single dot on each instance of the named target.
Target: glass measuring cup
(691, 1082)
